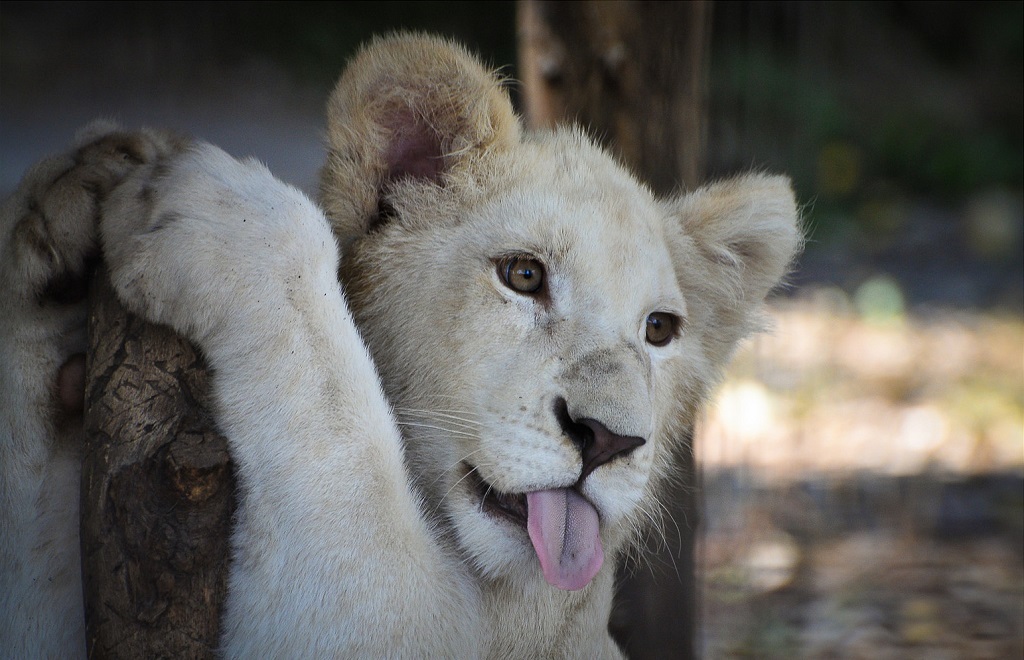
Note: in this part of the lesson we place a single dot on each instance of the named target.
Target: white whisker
(455, 485)
(449, 431)
(440, 416)
(456, 464)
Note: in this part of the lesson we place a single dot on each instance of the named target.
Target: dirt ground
(864, 488)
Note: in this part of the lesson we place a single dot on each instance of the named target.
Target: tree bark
(633, 74)
(157, 492)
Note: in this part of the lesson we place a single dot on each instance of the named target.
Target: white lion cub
(444, 454)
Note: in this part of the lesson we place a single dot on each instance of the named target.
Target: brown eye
(522, 274)
(661, 328)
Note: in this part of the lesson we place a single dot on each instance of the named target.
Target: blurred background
(863, 464)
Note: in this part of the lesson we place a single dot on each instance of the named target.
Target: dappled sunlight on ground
(864, 488)
(826, 391)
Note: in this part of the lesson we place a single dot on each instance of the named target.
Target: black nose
(596, 443)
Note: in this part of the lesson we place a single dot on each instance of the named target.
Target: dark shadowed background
(863, 464)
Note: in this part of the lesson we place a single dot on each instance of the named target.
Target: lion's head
(545, 328)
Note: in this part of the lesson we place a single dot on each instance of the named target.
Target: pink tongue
(564, 529)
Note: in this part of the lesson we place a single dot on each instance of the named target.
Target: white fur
(46, 229)
(357, 531)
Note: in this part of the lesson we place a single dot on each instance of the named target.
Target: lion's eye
(661, 328)
(522, 274)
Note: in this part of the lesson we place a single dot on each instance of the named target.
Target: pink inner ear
(415, 151)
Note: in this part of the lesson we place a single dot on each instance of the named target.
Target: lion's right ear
(407, 106)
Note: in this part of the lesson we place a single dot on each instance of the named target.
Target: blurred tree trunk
(633, 74)
(157, 492)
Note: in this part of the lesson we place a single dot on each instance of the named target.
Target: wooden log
(157, 492)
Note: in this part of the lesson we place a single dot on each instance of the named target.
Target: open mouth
(494, 502)
(563, 526)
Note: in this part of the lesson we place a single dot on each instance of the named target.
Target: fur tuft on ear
(745, 232)
(407, 106)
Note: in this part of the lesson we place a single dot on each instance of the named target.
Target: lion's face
(532, 340)
(544, 327)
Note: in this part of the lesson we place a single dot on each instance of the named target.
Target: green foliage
(919, 101)
(929, 156)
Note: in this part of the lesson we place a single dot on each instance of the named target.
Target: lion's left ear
(740, 237)
(747, 226)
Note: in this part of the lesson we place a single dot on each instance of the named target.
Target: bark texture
(633, 74)
(157, 492)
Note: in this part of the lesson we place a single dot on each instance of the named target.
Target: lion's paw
(207, 240)
(50, 221)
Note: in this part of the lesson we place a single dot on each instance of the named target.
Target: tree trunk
(157, 492)
(633, 74)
